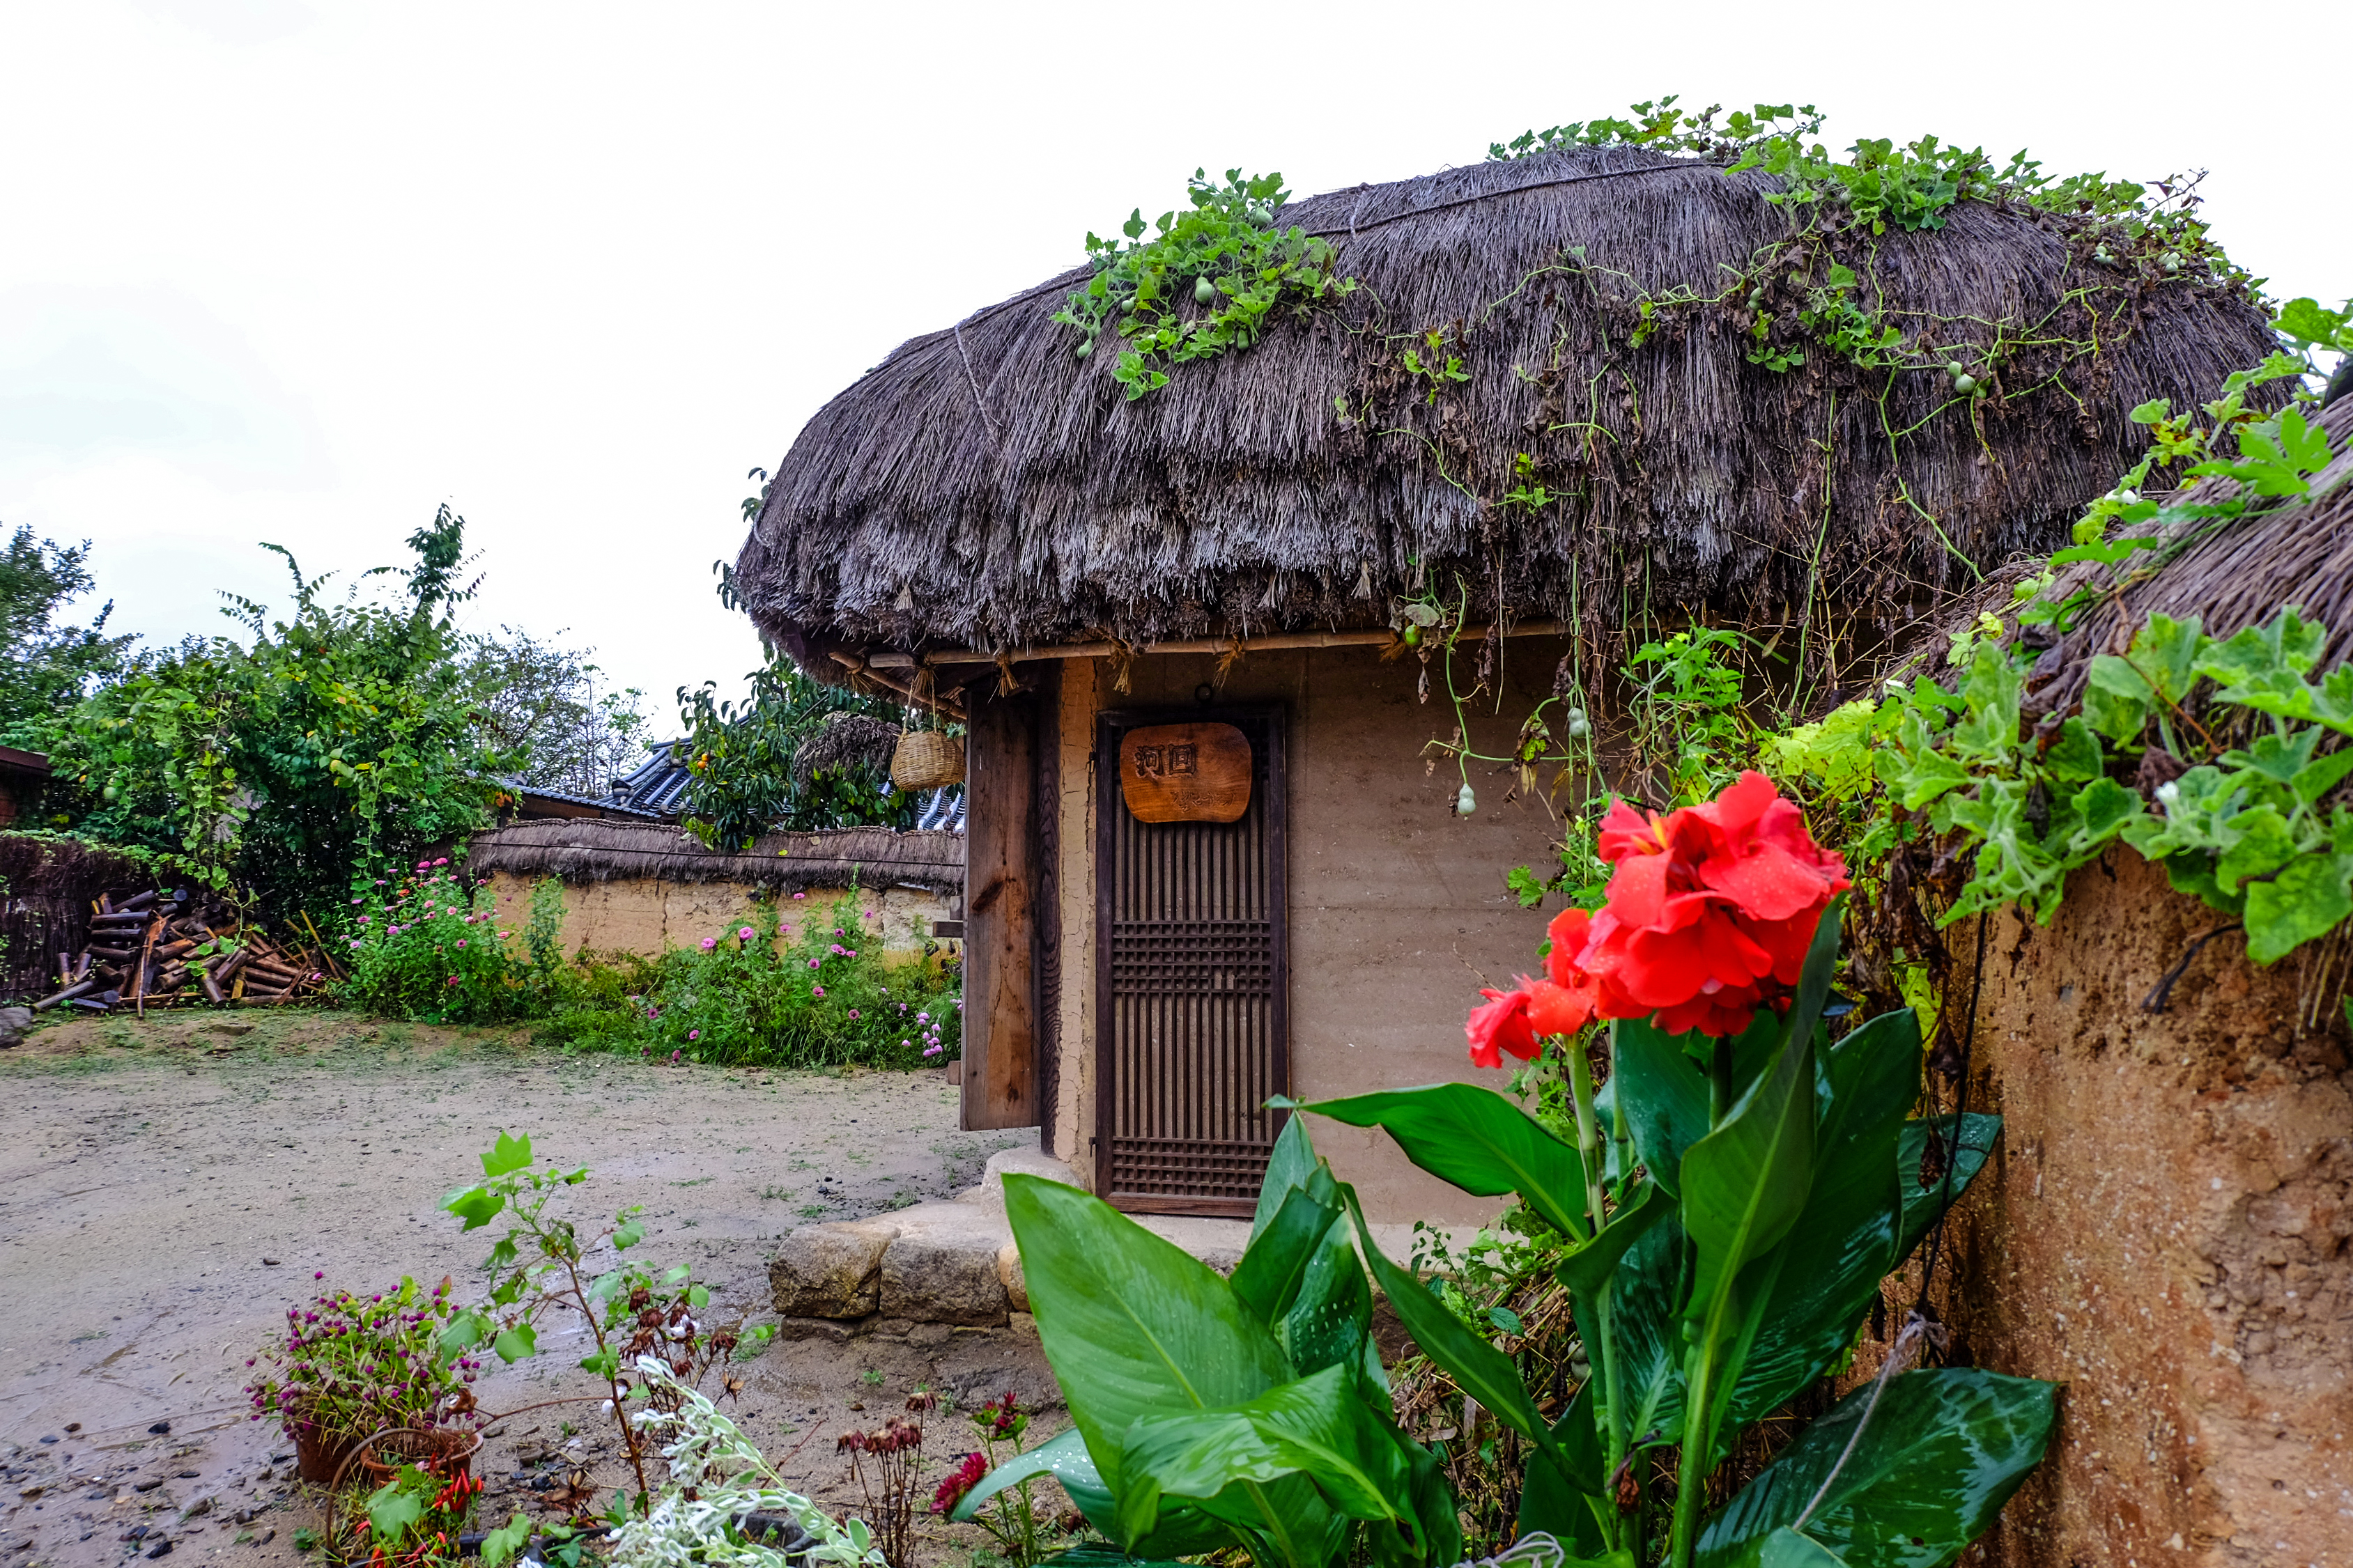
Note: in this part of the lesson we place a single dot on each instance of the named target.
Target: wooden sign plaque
(1186, 773)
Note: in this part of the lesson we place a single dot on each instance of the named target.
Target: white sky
(300, 272)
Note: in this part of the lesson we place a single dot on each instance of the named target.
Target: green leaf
(513, 1344)
(1479, 1141)
(392, 1510)
(1587, 1270)
(606, 1364)
(1478, 1368)
(1925, 1201)
(476, 1205)
(1746, 1184)
(1267, 1279)
(1785, 1548)
(461, 1333)
(1330, 1320)
(2309, 898)
(1066, 1459)
(1313, 1427)
(503, 1542)
(1942, 1453)
(1845, 1241)
(507, 1156)
(1665, 1096)
(1133, 1325)
(2075, 755)
(1290, 1163)
(628, 1236)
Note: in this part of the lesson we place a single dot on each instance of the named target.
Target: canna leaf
(1477, 1140)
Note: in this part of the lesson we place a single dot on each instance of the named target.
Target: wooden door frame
(1109, 723)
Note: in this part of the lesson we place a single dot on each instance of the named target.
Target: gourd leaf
(1477, 1140)
(2310, 896)
(1132, 1325)
(1941, 1454)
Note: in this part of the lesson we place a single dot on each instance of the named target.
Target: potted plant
(350, 1366)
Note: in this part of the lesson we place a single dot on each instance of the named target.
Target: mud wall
(2163, 1229)
(645, 915)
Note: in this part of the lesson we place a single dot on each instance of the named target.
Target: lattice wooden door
(1190, 986)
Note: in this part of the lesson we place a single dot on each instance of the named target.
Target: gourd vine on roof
(1228, 258)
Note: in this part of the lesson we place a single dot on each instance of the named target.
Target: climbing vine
(1226, 259)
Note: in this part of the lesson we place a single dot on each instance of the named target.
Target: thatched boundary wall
(643, 887)
(2164, 1229)
(46, 888)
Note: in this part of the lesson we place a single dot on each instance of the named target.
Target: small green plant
(544, 1264)
(425, 944)
(1227, 258)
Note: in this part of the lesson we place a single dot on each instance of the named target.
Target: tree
(542, 700)
(343, 736)
(741, 760)
(44, 666)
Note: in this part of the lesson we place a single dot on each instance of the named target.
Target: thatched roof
(588, 851)
(983, 488)
(2231, 576)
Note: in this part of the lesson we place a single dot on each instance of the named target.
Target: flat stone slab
(955, 1264)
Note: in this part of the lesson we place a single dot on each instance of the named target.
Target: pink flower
(461, 941)
(800, 895)
(853, 1012)
(443, 861)
(930, 1050)
(710, 943)
(817, 990)
(814, 962)
(694, 1034)
(453, 980)
(744, 934)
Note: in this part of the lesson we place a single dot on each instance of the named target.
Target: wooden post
(1000, 889)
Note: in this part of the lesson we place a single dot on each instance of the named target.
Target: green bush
(810, 991)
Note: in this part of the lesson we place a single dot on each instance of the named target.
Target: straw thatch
(982, 486)
(579, 850)
(2232, 575)
(845, 740)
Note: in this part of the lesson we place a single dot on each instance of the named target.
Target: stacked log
(164, 947)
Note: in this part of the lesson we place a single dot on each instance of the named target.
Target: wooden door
(1191, 984)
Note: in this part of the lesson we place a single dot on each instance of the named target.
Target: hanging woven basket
(926, 759)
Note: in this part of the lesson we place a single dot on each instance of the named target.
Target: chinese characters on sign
(1186, 773)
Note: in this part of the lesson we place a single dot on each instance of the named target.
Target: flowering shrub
(424, 945)
(350, 1365)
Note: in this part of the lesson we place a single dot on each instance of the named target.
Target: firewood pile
(164, 947)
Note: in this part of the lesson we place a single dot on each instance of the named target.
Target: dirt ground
(168, 1188)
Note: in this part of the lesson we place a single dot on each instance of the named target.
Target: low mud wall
(645, 915)
(2163, 1230)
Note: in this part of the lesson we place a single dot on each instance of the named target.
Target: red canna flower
(1710, 910)
(1561, 1003)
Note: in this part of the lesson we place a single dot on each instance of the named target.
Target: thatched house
(643, 887)
(985, 516)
